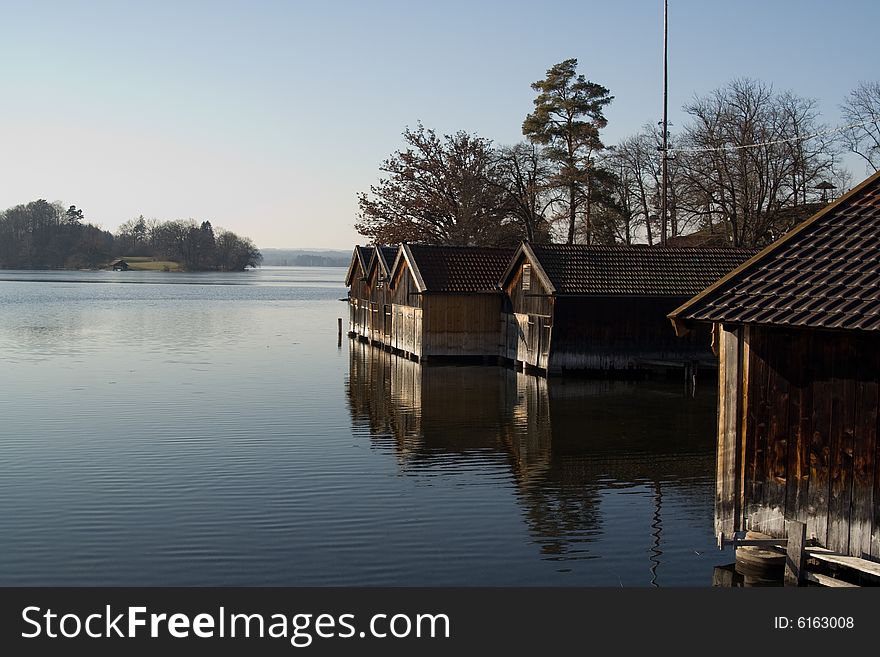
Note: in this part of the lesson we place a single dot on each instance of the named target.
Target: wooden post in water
(339, 332)
(795, 556)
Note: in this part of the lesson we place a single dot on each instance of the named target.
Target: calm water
(206, 429)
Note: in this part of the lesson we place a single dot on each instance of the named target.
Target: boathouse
(798, 333)
(378, 293)
(358, 296)
(603, 308)
(446, 301)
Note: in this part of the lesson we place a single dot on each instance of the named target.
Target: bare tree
(523, 175)
(748, 156)
(438, 190)
(861, 111)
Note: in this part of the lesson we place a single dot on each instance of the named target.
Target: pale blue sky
(267, 118)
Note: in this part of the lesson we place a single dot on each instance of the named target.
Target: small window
(527, 277)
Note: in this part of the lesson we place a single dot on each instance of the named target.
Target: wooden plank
(864, 449)
(727, 461)
(776, 455)
(759, 418)
(869, 568)
(794, 553)
(800, 427)
(820, 446)
(875, 525)
(825, 580)
(843, 394)
(743, 413)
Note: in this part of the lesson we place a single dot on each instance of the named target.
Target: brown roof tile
(634, 270)
(464, 269)
(824, 274)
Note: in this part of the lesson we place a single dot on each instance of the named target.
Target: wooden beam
(794, 553)
(825, 580)
(869, 568)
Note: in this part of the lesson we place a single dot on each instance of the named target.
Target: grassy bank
(139, 263)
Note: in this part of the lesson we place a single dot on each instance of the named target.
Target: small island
(43, 235)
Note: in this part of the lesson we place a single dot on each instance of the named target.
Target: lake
(209, 429)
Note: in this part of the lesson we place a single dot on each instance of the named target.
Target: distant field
(139, 263)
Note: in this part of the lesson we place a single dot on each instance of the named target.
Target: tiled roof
(823, 274)
(634, 270)
(388, 254)
(365, 253)
(460, 268)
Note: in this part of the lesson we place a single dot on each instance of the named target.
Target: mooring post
(339, 331)
(795, 556)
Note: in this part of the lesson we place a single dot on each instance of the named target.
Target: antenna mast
(664, 148)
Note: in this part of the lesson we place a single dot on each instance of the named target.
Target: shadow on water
(568, 443)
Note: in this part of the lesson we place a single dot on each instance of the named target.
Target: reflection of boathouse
(566, 444)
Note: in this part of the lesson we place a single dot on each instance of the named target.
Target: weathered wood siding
(406, 329)
(728, 471)
(462, 325)
(403, 288)
(529, 320)
(620, 333)
(379, 313)
(359, 305)
(536, 300)
(810, 448)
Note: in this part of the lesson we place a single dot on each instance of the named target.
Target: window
(527, 277)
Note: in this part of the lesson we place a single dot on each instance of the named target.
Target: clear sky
(267, 118)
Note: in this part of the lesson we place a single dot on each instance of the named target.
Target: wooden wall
(379, 315)
(528, 319)
(462, 325)
(406, 329)
(537, 300)
(619, 333)
(358, 305)
(403, 288)
(809, 437)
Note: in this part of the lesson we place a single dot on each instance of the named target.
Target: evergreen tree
(566, 121)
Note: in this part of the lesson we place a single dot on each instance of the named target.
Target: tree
(566, 121)
(234, 253)
(748, 156)
(861, 112)
(436, 190)
(523, 175)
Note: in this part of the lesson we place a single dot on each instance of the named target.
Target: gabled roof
(462, 269)
(582, 270)
(383, 257)
(825, 273)
(360, 261)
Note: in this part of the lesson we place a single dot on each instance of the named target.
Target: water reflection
(570, 444)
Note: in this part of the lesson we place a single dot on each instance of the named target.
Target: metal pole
(663, 192)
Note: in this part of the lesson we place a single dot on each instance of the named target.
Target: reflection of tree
(566, 441)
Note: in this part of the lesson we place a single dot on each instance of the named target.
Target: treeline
(43, 235)
(749, 164)
(196, 246)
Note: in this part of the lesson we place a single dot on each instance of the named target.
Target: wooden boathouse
(446, 301)
(798, 333)
(603, 308)
(358, 296)
(377, 289)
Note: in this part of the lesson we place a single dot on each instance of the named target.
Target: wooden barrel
(760, 562)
